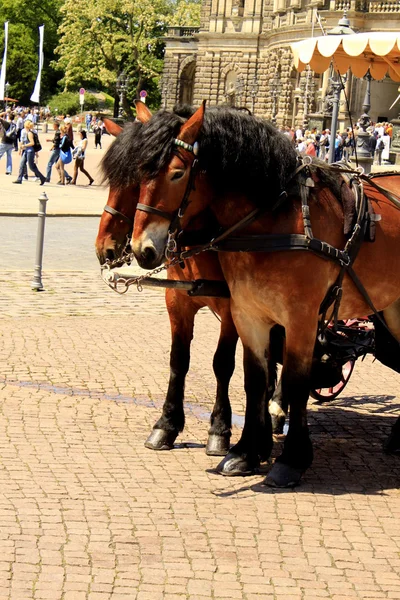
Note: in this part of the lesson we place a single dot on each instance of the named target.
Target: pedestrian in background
(380, 146)
(8, 135)
(20, 125)
(79, 153)
(65, 146)
(55, 150)
(88, 121)
(28, 150)
(69, 130)
(97, 130)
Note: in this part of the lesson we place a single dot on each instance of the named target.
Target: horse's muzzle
(148, 258)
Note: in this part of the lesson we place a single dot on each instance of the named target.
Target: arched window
(186, 82)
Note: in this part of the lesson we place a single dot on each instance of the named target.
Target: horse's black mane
(240, 153)
(120, 164)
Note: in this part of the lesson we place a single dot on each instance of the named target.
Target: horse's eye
(177, 175)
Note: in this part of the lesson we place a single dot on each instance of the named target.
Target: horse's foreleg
(181, 312)
(219, 434)
(297, 454)
(255, 444)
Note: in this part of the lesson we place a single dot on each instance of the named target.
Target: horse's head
(116, 222)
(172, 197)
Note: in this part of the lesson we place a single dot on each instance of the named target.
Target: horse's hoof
(392, 445)
(236, 466)
(159, 439)
(283, 476)
(217, 445)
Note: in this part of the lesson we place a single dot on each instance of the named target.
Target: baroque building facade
(240, 55)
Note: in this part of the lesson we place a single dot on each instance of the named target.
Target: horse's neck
(230, 209)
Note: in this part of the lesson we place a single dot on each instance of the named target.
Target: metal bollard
(37, 284)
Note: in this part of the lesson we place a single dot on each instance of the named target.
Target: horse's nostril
(148, 254)
(110, 254)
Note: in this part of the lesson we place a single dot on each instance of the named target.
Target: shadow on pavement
(348, 454)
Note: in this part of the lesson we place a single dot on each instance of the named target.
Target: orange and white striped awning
(377, 51)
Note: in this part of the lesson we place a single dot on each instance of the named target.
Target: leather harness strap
(115, 213)
(155, 211)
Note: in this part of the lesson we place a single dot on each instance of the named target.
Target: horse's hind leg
(219, 434)
(278, 406)
(182, 311)
(392, 318)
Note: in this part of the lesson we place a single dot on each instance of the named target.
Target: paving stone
(88, 513)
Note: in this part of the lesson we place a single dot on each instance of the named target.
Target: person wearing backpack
(8, 135)
(65, 155)
(28, 150)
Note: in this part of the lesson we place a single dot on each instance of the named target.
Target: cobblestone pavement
(87, 513)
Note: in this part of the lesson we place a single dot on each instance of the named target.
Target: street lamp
(121, 87)
(363, 146)
(274, 90)
(308, 91)
(342, 28)
(254, 87)
(6, 88)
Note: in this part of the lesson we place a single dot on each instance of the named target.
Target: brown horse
(114, 228)
(243, 165)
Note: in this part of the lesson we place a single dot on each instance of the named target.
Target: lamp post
(254, 87)
(342, 28)
(364, 154)
(274, 90)
(309, 90)
(121, 87)
(6, 88)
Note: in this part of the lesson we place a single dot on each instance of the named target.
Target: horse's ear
(143, 114)
(190, 130)
(112, 128)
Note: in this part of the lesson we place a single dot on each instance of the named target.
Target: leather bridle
(175, 217)
(116, 213)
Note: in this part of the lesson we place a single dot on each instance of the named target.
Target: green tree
(186, 13)
(23, 44)
(101, 38)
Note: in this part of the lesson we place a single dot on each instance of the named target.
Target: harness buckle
(171, 246)
(344, 260)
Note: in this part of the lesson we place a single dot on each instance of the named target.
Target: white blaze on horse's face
(150, 231)
(149, 247)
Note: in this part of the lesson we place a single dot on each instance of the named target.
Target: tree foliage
(186, 13)
(101, 38)
(89, 42)
(23, 44)
(67, 103)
